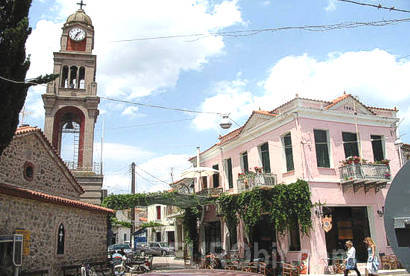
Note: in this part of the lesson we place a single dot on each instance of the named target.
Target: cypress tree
(14, 30)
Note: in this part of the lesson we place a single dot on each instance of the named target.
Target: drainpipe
(299, 131)
(198, 177)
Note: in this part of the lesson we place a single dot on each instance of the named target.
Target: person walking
(372, 261)
(350, 261)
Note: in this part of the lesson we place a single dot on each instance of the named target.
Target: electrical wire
(152, 175)
(21, 82)
(162, 107)
(312, 28)
(151, 124)
(379, 6)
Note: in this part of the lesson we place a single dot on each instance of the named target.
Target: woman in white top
(350, 261)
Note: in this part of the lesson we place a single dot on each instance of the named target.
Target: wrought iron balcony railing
(251, 181)
(364, 175)
(210, 192)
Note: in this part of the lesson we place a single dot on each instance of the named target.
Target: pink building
(307, 139)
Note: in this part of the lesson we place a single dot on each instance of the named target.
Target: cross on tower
(81, 4)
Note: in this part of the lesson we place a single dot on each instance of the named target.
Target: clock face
(77, 34)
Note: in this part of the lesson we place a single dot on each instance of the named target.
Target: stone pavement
(172, 266)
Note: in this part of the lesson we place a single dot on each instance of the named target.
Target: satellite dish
(225, 122)
(397, 215)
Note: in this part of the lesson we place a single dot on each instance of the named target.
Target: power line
(379, 6)
(162, 107)
(21, 82)
(312, 28)
(152, 175)
(151, 124)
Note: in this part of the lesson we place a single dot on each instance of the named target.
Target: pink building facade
(308, 139)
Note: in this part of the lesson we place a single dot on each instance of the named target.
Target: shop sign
(26, 240)
(327, 223)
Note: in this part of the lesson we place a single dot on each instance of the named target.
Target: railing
(364, 172)
(96, 168)
(248, 182)
(210, 191)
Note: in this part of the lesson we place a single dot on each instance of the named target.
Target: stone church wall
(85, 232)
(48, 177)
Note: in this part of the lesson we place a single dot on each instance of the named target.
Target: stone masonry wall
(48, 176)
(85, 232)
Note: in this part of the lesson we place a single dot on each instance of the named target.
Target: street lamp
(225, 122)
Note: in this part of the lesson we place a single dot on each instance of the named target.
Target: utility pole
(133, 208)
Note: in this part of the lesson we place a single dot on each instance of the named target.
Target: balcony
(210, 192)
(368, 176)
(250, 181)
(73, 166)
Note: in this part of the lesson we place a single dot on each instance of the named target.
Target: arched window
(64, 77)
(81, 78)
(60, 239)
(73, 76)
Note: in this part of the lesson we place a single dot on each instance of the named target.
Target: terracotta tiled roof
(230, 135)
(29, 129)
(143, 219)
(34, 195)
(263, 112)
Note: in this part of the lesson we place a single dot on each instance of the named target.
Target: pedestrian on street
(372, 261)
(350, 261)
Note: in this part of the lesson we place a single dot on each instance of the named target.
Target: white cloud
(234, 92)
(159, 167)
(136, 69)
(121, 152)
(266, 3)
(376, 77)
(130, 111)
(331, 6)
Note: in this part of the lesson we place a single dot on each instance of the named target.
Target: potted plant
(258, 169)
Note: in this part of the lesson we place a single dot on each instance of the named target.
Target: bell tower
(71, 102)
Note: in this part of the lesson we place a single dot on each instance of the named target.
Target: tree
(14, 30)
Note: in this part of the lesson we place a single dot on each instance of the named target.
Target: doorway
(171, 238)
(213, 237)
(349, 223)
(264, 239)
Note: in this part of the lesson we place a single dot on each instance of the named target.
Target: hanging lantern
(225, 122)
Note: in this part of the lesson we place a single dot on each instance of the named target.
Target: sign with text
(26, 240)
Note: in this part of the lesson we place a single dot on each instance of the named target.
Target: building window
(287, 143)
(125, 237)
(215, 176)
(350, 144)
(28, 171)
(294, 239)
(377, 146)
(158, 236)
(322, 148)
(158, 212)
(229, 172)
(60, 239)
(264, 149)
(244, 162)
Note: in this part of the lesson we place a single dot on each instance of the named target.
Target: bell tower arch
(71, 101)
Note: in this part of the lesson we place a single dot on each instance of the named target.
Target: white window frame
(383, 140)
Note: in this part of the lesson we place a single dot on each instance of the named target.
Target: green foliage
(190, 220)
(115, 221)
(126, 201)
(289, 206)
(151, 224)
(14, 30)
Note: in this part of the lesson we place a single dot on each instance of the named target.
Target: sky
(214, 73)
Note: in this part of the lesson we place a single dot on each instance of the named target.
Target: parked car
(125, 247)
(157, 249)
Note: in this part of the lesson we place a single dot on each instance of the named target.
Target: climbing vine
(126, 201)
(115, 221)
(190, 219)
(227, 203)
(288, 205)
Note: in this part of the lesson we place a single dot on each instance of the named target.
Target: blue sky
(221, 74)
